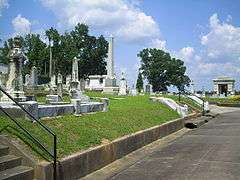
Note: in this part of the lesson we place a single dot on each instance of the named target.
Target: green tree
(139, 84)
(36, 53)
(161, 70)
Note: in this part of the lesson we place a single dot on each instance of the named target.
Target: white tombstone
(60, 86)
(34, 77)
(110, 82)
(27, 80)
(123, 86)
(68, 81)
(14, 85)
(75, 90)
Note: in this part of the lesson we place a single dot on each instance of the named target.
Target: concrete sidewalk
(209, 152)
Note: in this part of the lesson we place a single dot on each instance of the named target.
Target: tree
(36, 53)
(139, 84)
(161, 70)
(91, 51)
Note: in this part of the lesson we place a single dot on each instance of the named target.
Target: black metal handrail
(190, 93)
(35, 140)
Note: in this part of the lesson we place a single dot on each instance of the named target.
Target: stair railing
(34, 139)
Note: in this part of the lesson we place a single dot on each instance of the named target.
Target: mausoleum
(223, 86)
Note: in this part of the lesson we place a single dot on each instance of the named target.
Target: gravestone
(148, 89)
(53, 85)
(123, 86)
(34, 77)
(75, 90)
(14, 85)
(27, 80)
(68, 81)
(133, 91)
(60, 86)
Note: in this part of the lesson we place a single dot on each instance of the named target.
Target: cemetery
(84, 114)
(96, 119)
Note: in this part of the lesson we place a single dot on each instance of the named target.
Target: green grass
(221, 100)
(124, 117)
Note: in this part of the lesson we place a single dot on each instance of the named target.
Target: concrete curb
(88, 161)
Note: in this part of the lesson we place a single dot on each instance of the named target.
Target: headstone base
(110, 90)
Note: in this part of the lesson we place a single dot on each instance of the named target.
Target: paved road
(210, 152)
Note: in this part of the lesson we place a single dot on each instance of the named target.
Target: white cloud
(119, 17)
(3, 4)
(158, 43)
(223, 41)
(187, 53)
(21, 25)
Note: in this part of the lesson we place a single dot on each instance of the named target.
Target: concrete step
(17, 173)
(9, 161)
(4, 150)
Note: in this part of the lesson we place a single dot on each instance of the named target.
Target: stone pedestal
(53, 99)
(32, 108)
(17, 95)
(77, 105)
(105, 102)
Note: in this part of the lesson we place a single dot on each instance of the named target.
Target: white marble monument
(110, 81)
(224, 86)
(14, 85)
(123, 86)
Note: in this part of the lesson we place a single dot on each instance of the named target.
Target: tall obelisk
(110, 62)
(110, 79)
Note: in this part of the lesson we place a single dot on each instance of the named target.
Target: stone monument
(14, 85)
(34, 77)
(75, 90)
(60, 86)
(27, 80)
(223, 86)
(110, 81)
(123, 86)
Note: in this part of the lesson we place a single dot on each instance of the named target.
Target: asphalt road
(210, 152)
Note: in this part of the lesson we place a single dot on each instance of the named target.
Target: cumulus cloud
(3, 5)
(219, 54)
(158, 43)
(186, 53)
(223, 41)
(119, 17)
(21, 25)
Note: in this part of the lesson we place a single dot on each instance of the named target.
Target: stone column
(110, 62)
(60, 86)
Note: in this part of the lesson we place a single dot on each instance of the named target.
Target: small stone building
(223, 86)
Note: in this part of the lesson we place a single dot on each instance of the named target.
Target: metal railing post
(35, 140)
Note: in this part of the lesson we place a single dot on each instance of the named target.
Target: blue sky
(205, 34)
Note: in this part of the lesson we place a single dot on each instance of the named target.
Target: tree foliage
(139, 84)
(91, 51)
(161, 70)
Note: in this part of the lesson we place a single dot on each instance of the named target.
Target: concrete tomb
(224, 86)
